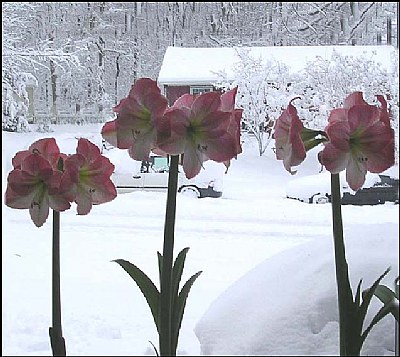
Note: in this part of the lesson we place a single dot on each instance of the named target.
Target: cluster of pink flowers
(202, 127)
(358, 138)
(44, 178)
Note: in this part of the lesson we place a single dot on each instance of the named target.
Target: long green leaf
(357, 318)
(155, 349)
(146, 286)
(367, 296)
(160, 259)
(388, 298)
(385, 310)
(160, 264)
(394, 310)
(179, 308)
(357, 298)
(368, 293)
(384, 294)
(177, 271)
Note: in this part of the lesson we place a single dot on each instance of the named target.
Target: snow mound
(258, 314)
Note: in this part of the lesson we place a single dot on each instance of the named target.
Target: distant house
(194, 70)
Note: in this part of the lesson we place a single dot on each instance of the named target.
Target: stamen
(202, 147)
(33, 204)
(135, 133)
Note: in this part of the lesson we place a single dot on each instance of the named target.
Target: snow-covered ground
(268, 282)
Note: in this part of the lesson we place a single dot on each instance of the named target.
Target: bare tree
(85, 56)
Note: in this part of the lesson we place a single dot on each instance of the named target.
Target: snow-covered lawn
(268, 282)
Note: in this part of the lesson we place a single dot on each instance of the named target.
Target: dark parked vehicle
(378, 189)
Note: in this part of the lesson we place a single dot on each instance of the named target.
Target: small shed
(194, 70)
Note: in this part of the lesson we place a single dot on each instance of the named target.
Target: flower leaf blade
(385, 310)
(177, 271)
(146, 286)
(367, 296)
(384, 294)
(179, 307)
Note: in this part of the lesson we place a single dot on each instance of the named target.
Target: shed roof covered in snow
(187, 65)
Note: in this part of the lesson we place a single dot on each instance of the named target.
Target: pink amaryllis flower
(202, 127)
(228, 104)
(289, 145)
(34, 183)
(135, 127)
(360, 140)
(88, 173)
(46, 147)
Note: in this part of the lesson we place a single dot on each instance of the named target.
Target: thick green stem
(345, 296)
(165, 333)
(55, 332)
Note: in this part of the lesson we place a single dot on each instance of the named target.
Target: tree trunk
(53, 78)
